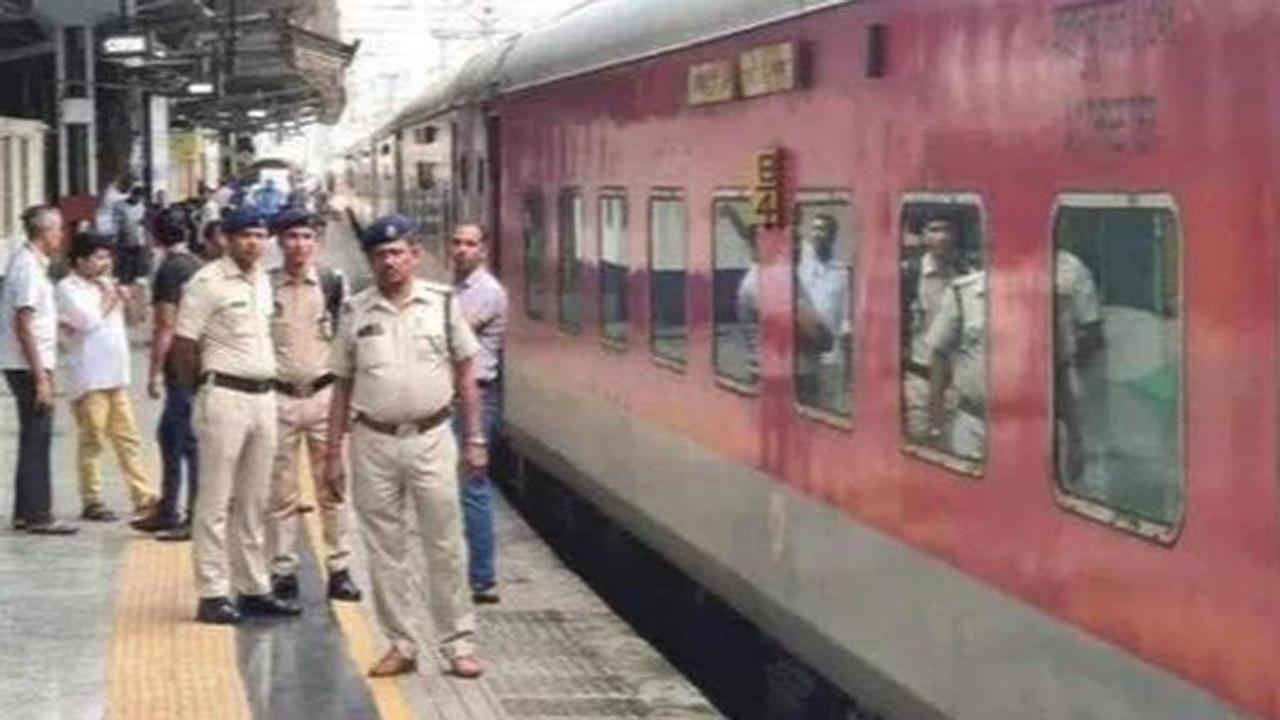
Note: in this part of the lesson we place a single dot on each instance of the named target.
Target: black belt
(486, 383)
(239, 384)
(305, 389)
(413, 427)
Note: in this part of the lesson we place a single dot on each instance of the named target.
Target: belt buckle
(406, 430)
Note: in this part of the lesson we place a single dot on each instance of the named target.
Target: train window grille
(614, 266)
(668, 274)
(735, 282)
(426, 175)
(535, 255)
(943, 335)
(1117, 312)
(822, 318)
(571, 231)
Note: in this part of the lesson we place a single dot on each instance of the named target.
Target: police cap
(245, 218)
(294, 216)
(385, 229)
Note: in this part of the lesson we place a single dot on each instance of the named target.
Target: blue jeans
(477, 496)
(177, 445)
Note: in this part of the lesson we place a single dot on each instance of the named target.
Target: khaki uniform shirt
(398, 359)
(935, 278)
(300, 327)
(228, 312)
(960, 332)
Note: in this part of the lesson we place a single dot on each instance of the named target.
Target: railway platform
(99, 625)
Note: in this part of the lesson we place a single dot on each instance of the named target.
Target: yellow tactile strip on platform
(161, 663)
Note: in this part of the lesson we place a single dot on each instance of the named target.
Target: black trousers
(32, 492)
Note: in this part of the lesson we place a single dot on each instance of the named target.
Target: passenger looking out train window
(668, 264)
(943, 332)
(534, 225)
(613, 266)
(735, 291)
(570, 222)
(1118, 357)
(823, 329)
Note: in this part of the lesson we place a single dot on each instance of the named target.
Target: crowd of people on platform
(265, 372)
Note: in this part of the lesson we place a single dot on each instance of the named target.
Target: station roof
(271, 61)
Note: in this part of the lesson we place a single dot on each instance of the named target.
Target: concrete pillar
(77, 115)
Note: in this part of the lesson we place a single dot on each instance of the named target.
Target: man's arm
(23, 325)
(474, 452)
(339, 418)
(185, 354)
(166, 315)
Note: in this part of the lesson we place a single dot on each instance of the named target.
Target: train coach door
(493, 130)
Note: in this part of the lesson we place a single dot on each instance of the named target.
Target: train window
(822, 276)
(570, 222)
(735, 310)
(1118, 360)
(482, 169)
(424, 135)
(613, 266)
(535, 254)
(668, 264)
(943, 312)
(464, 172)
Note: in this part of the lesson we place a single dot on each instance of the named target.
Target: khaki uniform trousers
(304, 426)
(421, 468)
(102, 416)
(237, 436)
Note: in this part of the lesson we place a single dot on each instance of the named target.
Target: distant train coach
(937, 337)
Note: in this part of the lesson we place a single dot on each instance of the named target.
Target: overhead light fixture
(125, 44)
(200, 88)
(256, 113)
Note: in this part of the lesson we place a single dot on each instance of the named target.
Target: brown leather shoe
(393, 663)
(465, 667)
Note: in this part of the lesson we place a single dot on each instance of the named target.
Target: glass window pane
(535, 255)
(823, 276)
(1118, 359)
(569, 261)
(735, 291)
(613, 267)
(943, 333)
(668, 258)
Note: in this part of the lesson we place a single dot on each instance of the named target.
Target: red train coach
(936, 336)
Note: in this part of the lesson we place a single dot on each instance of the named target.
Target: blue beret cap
(385, 229)
(244, 218)
(292, 217)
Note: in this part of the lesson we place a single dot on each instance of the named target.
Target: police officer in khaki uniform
(957, 344)
(402, 352)
(307, 299)
(223, 346)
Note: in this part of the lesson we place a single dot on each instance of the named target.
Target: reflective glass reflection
(1118, 359)
(943, 333)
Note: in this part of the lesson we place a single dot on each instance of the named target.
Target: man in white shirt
(822, 317)
(28, 338)
(91, 306)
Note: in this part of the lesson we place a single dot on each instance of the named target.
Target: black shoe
(486, 596)
(217, 611)
(154, 523)
(268, 606)
(342, 587)
(285, 587)
(97, 512)
(179, 533)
